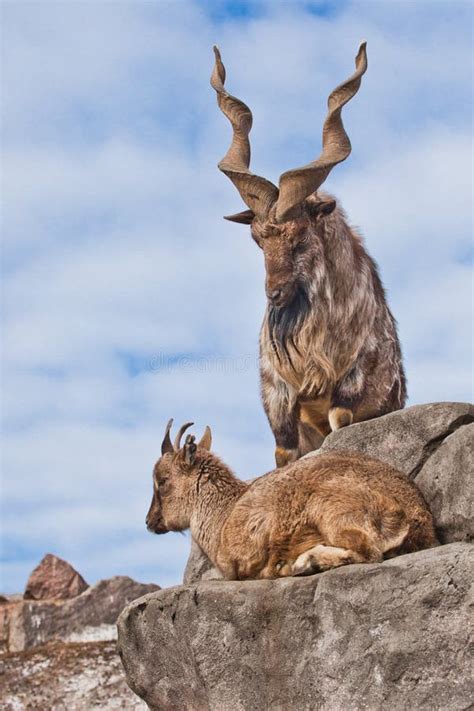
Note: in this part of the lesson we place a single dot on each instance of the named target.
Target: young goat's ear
(206, 439)
(190, 450)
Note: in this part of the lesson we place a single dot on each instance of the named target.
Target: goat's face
(281, 216)
(171, 492)
(174, 483)
(291, 250)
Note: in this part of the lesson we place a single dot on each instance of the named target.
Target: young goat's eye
(161, 483)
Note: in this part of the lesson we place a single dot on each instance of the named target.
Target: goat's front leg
(323, 557)
(346, 396)
(282, 411)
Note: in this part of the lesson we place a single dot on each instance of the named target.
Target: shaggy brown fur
(318, 513)
(329, 351)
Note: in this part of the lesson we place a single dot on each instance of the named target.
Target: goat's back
(349, 476)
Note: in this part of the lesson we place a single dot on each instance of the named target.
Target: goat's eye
(300, 242)
(161, 483)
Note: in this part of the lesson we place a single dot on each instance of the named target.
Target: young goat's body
(314, 514)
(319, 513)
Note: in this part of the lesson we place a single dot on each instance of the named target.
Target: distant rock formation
(54, 579)
(60, 652)
(384, 636)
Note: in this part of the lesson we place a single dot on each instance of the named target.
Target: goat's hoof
(340, 417)
(305, 564)
(283, 569)
(285, 456)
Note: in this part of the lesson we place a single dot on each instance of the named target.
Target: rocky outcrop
(88, 617)
(54, 579)
(391, 635)
(76, 677)
(385, 636)
(447, 482)
(61, 653)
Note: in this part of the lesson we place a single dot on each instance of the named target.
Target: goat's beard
(285, 322)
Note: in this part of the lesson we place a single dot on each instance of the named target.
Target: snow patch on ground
(99, 633)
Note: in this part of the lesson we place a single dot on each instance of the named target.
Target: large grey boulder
(446, 480)
(432, 444)
(385, 636)
(406, 439)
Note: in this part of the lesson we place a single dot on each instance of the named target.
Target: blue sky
(128, 300)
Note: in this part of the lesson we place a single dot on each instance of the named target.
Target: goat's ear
(244, 218)
(325, 207)
(206, 439)
(190, 450)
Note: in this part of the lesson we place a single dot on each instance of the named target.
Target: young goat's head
(285, 220)
(174, 481)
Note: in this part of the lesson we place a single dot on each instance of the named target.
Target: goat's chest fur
(339, 350)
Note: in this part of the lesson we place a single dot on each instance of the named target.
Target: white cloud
(117, 256)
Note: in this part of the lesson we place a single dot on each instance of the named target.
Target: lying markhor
(317, 513)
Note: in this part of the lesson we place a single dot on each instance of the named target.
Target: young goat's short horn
(182, 430)
(166, 446)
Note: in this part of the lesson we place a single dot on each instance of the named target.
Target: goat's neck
(348, 274)
(217, 491)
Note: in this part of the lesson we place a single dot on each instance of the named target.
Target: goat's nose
(275, 294)
(147, 521)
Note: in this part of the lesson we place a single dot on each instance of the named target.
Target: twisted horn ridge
(182, 430)
(297, 184)
(166, 446)
(258, 193)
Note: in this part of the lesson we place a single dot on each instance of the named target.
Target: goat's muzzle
(156, 527)
(281, 295)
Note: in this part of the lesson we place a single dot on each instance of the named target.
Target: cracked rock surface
(392, 636)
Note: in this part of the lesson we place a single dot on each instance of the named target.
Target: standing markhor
(329, 350)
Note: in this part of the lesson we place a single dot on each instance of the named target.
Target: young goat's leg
(353, 544)
(350, 545)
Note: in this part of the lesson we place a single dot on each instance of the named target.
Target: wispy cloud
(128, 299)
